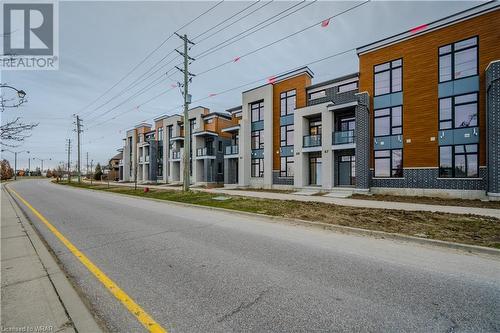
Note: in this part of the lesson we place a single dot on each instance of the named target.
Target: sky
(100, 42)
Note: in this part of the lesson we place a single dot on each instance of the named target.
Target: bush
(6, 172)
(98, 172)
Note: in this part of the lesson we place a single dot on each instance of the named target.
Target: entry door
(315, 169)
(346, 171)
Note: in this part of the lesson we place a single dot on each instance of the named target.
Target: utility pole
(15, 165)
(69, 160)
(78, 131)
(91, 171)
(29, 166)
(87, 169)
(187, 100)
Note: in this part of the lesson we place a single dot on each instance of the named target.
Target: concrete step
(306, 192)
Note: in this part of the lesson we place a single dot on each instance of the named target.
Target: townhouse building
(421, 117)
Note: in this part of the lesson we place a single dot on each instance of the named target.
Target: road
(194, 270)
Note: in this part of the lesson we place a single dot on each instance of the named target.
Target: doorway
(347, 170)
(315, 169)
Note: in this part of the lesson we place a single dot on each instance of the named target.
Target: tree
(49, 173)
(98, 172)
(6, 171)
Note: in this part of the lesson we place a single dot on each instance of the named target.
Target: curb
(73, 303)
(333, 227)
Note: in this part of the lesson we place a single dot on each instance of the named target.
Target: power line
(148, 56)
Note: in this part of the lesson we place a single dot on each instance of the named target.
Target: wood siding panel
(420, 83)
(299, 83)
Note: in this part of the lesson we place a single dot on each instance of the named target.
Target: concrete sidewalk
(36, 294)
(406, 206)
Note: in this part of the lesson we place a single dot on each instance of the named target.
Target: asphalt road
(195, 270)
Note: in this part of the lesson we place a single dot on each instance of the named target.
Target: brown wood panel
(420, 82)
(299, 83)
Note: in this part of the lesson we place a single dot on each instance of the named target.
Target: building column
(327, 164)
(300, 160)
(362, 140)
(197, 143)
(268, 142)
(244, 148)
(493, 129)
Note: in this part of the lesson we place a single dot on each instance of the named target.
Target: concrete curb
(73, 303)
(334, 227)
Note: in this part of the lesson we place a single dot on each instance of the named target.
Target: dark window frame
(310, 98)
(258, 135)
(254, 106)
(453, 106)
(285, 143)
(453, 154)
(285, 96)
(390, 121)
(347, 84)
(390, 69)
(391, 167)
(452, 53)
(260, 163)
(284, 168)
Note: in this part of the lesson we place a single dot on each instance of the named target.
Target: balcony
(343, 137)
(147, 158)
(231, 150)
(141, 159)
(205, 151)
(311, 141)
(176, 155)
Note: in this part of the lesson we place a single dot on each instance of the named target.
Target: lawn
(467, 229)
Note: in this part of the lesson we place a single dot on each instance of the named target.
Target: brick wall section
(493, 127)
(363, 139)
(420, 82)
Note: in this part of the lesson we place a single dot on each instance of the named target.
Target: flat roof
(285, 75)
(469, 13)
(335, 80)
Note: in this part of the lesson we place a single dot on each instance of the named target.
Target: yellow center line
(149, 323)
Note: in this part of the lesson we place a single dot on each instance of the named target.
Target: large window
(388, 77)
(458, 161)
(287, 102)
(257, 139)
(388, 121)
(160, 159)
(160, 134)
(458, 111)
(458, 60)
(257, 169)
(317, 94)
(389, 163)
(286, 135)
(257, 111)
(348, 87)
(286, 167)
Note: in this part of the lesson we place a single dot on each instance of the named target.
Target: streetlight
(15, 159)
(41, 160)
(20, 93)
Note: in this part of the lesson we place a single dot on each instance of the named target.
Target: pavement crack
(243, 306)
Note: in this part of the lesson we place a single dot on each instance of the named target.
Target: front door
(315, 169)
(347, 170)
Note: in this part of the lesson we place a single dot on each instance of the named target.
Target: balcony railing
(147, 158)
(232, 150)
(141, 159)
(205, 151)
(176, 155)
(343, 137)
(311, 140)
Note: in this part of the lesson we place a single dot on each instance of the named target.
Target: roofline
(284, 76)
(466, 14)
(142, 125)
(236, 108)
(337, 79)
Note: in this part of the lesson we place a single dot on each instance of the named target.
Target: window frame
(390, 69)
(391, 167)
(259, 136)
(452, 53)
(390, 121)
(347, 84)
(311, 94)
(261, 111)
(260, 163)
(453, 154)
(287, 130)
(284, 168)
(284, 96)
(453, 106)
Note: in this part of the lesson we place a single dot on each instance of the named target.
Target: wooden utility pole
(78, 131)
(69, 160)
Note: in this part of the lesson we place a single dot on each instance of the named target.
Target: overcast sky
(101, 41)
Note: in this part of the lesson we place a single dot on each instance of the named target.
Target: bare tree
(14, 132)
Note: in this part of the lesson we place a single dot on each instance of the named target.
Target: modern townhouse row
(421, 117)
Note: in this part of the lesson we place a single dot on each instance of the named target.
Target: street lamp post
(20, 94)
(15, 159)
(41, 160)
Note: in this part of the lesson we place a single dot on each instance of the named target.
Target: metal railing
(147, 158)
(205, 151)
(176, 155)
(343, 137)
(311, 140)
(231, 150)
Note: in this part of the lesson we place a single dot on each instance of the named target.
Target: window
(287, 100)
(257, 111)
(458, 161)
(389, 77)
(458, 60)
(458, 111)
(159, 156)
(388, 121)
(257, 167)
(317, 94)
(348, 87)
(220, 146)
(257, 139)
(130, 156)
(219, 168)
(160, 134)
(286, 167)
(286, 135)
(389, 163)
(209, 121)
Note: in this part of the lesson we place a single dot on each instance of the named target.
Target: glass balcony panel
(343, 137)
(312, 140)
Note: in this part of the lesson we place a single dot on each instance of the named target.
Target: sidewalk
(36, 295)
(337, 201)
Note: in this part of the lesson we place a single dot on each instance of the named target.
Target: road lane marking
(146, 320)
